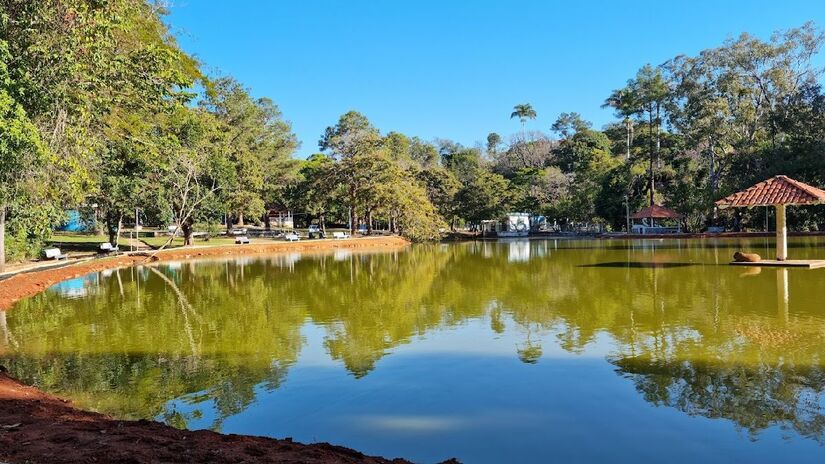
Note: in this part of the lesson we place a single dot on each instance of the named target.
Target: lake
(510, 351)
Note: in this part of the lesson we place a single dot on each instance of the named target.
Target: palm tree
(523, 112)
(622, 100)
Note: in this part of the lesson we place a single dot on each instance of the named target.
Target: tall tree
(22, 153)
(523, 111)
(493, 141)
(649, 92)
(625, 105)
(259, 145)
(352, 135)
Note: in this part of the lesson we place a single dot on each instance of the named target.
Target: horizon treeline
(102, 111)
(687, 132)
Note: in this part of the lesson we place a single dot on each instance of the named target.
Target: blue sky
(454, 69)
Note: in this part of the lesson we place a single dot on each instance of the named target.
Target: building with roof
(669, 221)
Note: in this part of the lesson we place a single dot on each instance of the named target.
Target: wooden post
(781, 234)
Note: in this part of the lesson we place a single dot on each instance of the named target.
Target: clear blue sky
(454, 69)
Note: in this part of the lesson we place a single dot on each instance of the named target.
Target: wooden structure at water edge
(779, 192)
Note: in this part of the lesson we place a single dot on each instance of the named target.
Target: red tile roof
(778, 190)
(656, 212)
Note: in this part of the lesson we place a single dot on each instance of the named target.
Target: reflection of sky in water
(75, 288)
(508, 351)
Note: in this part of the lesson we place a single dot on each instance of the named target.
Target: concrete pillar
(781, 234)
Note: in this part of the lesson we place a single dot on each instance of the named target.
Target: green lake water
(509, 351)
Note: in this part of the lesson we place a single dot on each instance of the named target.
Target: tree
(316, 189)
(485, 195)
(352, 135)
(530, 150)
(423, 153)
(441, 187)
(259, 145)
(523, 111)
(647, 92)
(191, 168)
(88, 74)
(623, 101)
(493, 141)
(411, 211)
(730, 99)
(22, 153)
(569, 124)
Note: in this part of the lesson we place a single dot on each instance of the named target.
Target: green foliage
(523, 112)
(486, 195)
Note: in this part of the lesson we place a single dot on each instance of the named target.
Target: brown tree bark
(353, 214)
(369, 221)
(2, 237)
(186, 228)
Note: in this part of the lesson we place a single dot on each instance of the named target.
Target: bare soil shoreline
(37, 427)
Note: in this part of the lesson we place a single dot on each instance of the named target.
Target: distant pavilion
(652, 213)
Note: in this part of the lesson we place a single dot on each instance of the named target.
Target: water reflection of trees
(752, 396)
(698, 337)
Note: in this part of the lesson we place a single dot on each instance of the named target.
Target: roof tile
(778, 190)
(656, 212)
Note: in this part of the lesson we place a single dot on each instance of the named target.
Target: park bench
(340, 235)
(54, 253)
(107, 247)
(242, 240)
(291, 237)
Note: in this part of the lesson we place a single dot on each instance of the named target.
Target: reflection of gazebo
(652, 213)
(778, 191)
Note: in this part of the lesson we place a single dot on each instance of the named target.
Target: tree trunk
(186, 228)
(240, 219)
(267, 225)
(228, 223)
(2, 237)
(652, 152)
(714, 185)
(658, 137)
(627, 157)
(111, 227)
(369, 221)
(322, 223)
(119, 226)
(353, 221)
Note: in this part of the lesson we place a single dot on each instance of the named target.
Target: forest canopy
(102, 111)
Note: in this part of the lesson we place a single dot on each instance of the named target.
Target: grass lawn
(78, 238)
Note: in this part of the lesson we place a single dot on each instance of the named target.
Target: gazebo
(654, 212)
(779, 192)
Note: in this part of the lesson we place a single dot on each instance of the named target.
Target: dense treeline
(99, 107)
(689, 131)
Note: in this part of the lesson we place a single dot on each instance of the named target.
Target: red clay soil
(27, 284)
(39, 428)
